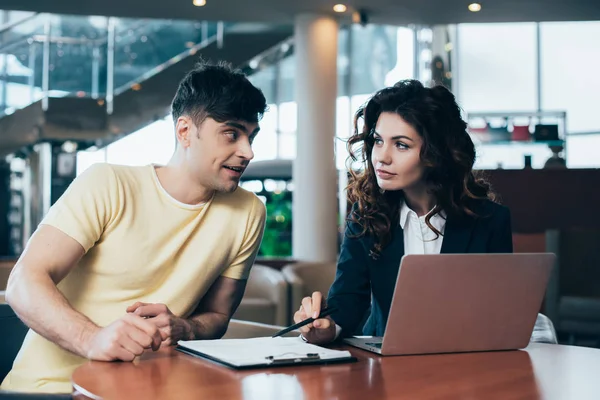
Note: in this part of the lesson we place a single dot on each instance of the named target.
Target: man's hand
(172, 328)
(124, 339)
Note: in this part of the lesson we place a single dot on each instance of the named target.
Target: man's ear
(183, 130)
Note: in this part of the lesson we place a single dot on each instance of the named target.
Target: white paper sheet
(264, 350)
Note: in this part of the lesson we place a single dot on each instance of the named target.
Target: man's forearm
(208, 325)
(42, 307)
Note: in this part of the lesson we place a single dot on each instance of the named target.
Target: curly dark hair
(447, 154)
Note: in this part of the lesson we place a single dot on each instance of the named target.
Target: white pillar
(314, 173)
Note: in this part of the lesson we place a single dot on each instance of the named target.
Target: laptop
(451, 303)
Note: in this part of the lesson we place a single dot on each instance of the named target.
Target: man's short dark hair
(219, 92)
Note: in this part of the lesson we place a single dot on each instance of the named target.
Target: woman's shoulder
(491, 210)
(353, 218)
(356, 226)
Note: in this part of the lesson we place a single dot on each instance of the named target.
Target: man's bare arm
(208, 321)
(211, 317)
(32, 293)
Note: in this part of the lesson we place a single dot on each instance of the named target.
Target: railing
(50, 55)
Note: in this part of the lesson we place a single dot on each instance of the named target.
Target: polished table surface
(542, 371)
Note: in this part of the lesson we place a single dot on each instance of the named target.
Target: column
(315, 234)
(37, 187)
(51, 167)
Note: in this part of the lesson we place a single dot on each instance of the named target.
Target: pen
(324, 312)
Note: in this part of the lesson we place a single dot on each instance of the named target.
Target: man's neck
(177, 182)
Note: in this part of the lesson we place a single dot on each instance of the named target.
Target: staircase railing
(48, 55)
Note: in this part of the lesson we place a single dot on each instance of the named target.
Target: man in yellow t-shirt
(130, 259)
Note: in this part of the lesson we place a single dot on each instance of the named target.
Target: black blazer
(361, 282)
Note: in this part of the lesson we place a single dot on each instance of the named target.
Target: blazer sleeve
(501, 235)
(351, 289)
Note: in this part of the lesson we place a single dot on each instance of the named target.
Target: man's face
(217, 153)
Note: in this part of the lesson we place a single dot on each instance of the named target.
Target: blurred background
(82, 83)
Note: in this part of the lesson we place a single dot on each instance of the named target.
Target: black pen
(324, 312)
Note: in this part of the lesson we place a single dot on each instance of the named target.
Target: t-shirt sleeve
(240, 268)
(87, 206)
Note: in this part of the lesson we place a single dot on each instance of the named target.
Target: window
(582, 151)
(154, 144)
(570, 57)
(497, 67)
(265, 144)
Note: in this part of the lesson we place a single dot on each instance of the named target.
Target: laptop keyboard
(376, 345)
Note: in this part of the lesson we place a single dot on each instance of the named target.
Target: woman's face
(396, 153)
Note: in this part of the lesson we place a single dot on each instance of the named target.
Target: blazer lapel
(383, 279)
(393, 252)
(457, 234)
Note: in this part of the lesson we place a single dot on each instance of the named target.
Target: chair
(4, 273)
(4, 395)
(12, 331)
(266, 297)
(305, 278)
(573, 295)
(6, 265)
(543, 331)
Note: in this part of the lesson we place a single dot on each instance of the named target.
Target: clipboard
(263, 352)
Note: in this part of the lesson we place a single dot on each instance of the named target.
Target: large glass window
(343, 127)
(497, 67)
(154, 144)
(582, 151)
(404, 67)
(288, 124)
(570, 58)
(265, 144)
(374, 53)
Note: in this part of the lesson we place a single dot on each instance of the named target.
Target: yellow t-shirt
(141, 245)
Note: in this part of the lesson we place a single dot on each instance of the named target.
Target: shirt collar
(438, 220)
(404, 212)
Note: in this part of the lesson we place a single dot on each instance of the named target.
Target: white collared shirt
(418, 237)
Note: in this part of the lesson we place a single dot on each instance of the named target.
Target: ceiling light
(199, 3)
(69, 147)
(339, 8)
(474, 7)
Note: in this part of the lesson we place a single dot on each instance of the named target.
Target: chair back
(12, 333)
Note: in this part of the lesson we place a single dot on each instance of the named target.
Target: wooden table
(542, 371)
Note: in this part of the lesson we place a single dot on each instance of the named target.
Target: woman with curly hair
(416, 193)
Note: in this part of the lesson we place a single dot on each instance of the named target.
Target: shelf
(518, 114)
